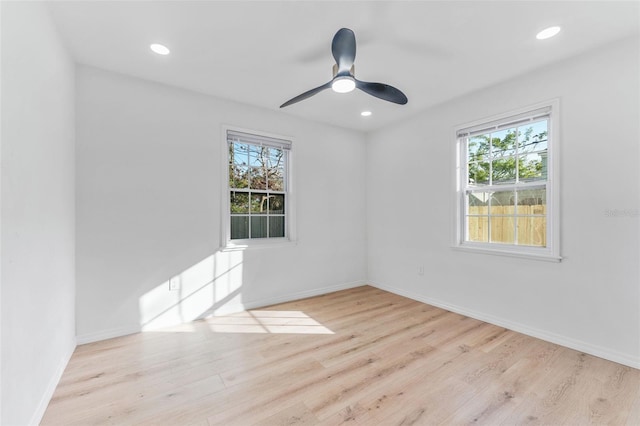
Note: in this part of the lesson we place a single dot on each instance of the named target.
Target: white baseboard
(51, 386)
(107, 334)
(300, 295)
(599, 351)
(227, 309)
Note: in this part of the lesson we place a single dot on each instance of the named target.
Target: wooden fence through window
(530, 224)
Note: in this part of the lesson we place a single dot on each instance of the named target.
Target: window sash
(234, 136)
(514, 120)
(516, 216)
(491, 189)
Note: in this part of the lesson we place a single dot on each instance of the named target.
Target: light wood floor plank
(360, 357)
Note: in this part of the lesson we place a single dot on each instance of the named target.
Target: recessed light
(547, 33)
(160, 49)
(365, 113)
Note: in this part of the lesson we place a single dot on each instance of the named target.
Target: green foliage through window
(257, 190)
(517, 154)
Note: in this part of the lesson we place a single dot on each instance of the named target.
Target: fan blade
(382, 91)
(307, 94)
(343, 48)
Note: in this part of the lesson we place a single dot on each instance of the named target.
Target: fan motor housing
(351, 70)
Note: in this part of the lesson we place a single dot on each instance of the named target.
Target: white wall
(38, 322)
(591, 300)
(148, 208)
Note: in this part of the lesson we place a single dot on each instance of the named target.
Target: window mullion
(517, 155)
(507, 187)
(489, 204)
(515, 217)
(490, 160)
(249, 216)
(465, 217)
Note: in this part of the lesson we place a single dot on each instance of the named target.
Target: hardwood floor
(361, 356)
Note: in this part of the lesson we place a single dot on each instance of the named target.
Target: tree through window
(258, 181)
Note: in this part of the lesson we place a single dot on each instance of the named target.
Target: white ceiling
(265, 52)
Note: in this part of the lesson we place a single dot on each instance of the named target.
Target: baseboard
(301, 295)
(107, 334)
(51, 386)
(123, 331)
(558, 339)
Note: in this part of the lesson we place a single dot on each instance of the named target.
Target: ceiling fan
(343, 48)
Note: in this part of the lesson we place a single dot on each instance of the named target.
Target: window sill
(240, 245)
(545, 257)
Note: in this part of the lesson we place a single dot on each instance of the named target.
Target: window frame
(289, 211)
(552, 250)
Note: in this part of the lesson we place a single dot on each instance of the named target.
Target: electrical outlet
(174, 284)
(420, 270)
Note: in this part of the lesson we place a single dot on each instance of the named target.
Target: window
(507, 191)
(258, 187)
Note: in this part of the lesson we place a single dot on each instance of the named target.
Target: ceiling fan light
(343, 85)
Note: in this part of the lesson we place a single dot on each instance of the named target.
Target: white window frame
(290, 220)
(552, 251)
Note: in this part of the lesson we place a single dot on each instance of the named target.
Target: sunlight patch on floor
(276, 322)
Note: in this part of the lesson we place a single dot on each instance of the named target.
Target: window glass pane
(258, 226)
(532, 167)
(276, 204)
(276, 226)
(478, 202)
(532, 231)
(259, 203)
(532, 201)
(533, 137)
(478, 148)
(478, 159)
(258, 178)
(239, 227)
(502, 221)
(503, 143)
(503, 203)
(478, 229)
(238, 176)
(503, 170)
(239, 153)
(275, 158)
(479, 173)
(275, 179)
(239, 202)
(502, 229)
(258, 155)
